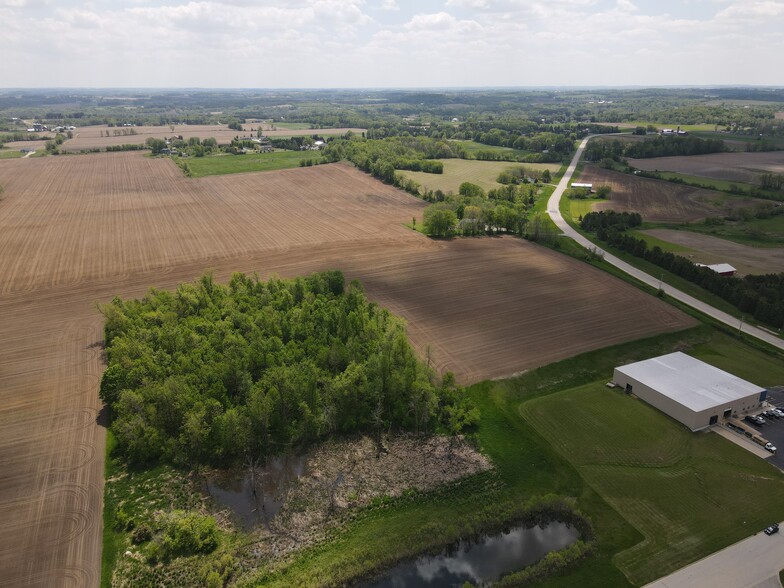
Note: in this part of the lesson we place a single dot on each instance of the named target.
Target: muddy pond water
(481, 561)
(256, 495)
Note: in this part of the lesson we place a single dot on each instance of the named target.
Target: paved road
(555, 214)
(754, 562)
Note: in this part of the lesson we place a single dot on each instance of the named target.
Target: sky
(390, 43)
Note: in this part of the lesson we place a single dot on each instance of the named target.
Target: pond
(255, 495)
(480, 561)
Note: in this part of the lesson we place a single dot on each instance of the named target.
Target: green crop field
(689, 494)
(481, 173)
(216, 165)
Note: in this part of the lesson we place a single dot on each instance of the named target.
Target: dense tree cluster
(212, 373)
(474, 212)
(771, 181)
(657, 147)
(609, 219)
(759, 296)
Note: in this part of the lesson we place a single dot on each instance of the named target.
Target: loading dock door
(728, 413)
(714, 419)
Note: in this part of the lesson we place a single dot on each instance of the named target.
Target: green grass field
(481, 173)
(472, 147)
(656, 242)
(579, 208)
(688, 494)
(767, 232)
(216, 165)
(10, 153)
(720, 185)
(292, 126)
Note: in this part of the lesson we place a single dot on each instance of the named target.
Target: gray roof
(689, 381)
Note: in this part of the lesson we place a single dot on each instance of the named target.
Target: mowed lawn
(481, 173)
(216, 165)
(689, 494)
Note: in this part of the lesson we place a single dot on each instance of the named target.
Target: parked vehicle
(770, 447)
(778, 412)
(774, 528)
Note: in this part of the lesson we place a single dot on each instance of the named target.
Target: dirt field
(90, 137)
(733, 167)
(657, 200)
(708, 250)
(77, 219)
(74, 231)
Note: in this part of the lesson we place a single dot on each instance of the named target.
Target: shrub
(188, 533)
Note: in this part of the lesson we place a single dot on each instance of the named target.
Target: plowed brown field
(733, 167)
(95, 137)
(658, 200)
(76, 230)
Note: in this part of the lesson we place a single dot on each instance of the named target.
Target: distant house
(676, 132)
(723, 269)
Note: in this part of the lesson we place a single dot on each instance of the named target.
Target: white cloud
(311, 43)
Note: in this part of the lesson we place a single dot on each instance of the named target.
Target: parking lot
(773, 429)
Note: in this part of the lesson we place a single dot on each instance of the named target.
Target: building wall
(693, 420)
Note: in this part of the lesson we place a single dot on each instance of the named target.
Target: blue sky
(390, 43)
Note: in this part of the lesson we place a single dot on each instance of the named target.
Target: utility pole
(740, 326)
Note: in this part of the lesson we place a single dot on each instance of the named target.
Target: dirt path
(744, 258)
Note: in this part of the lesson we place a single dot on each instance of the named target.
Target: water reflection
(480, 561)
(255, 495)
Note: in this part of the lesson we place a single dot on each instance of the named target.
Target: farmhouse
(689, 390)
(723, 269)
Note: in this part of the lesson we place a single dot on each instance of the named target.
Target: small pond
(256, 495)
(480, 561)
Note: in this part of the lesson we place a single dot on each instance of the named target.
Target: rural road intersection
(554, 211)
(753, 562)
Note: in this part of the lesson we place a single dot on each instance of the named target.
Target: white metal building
(689, 390)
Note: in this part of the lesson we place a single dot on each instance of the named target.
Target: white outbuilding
(689, 390)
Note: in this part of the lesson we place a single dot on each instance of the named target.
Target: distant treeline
(211, 374)
(759, 296)
(661, 146)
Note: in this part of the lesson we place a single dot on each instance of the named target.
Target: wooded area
(212, 373)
